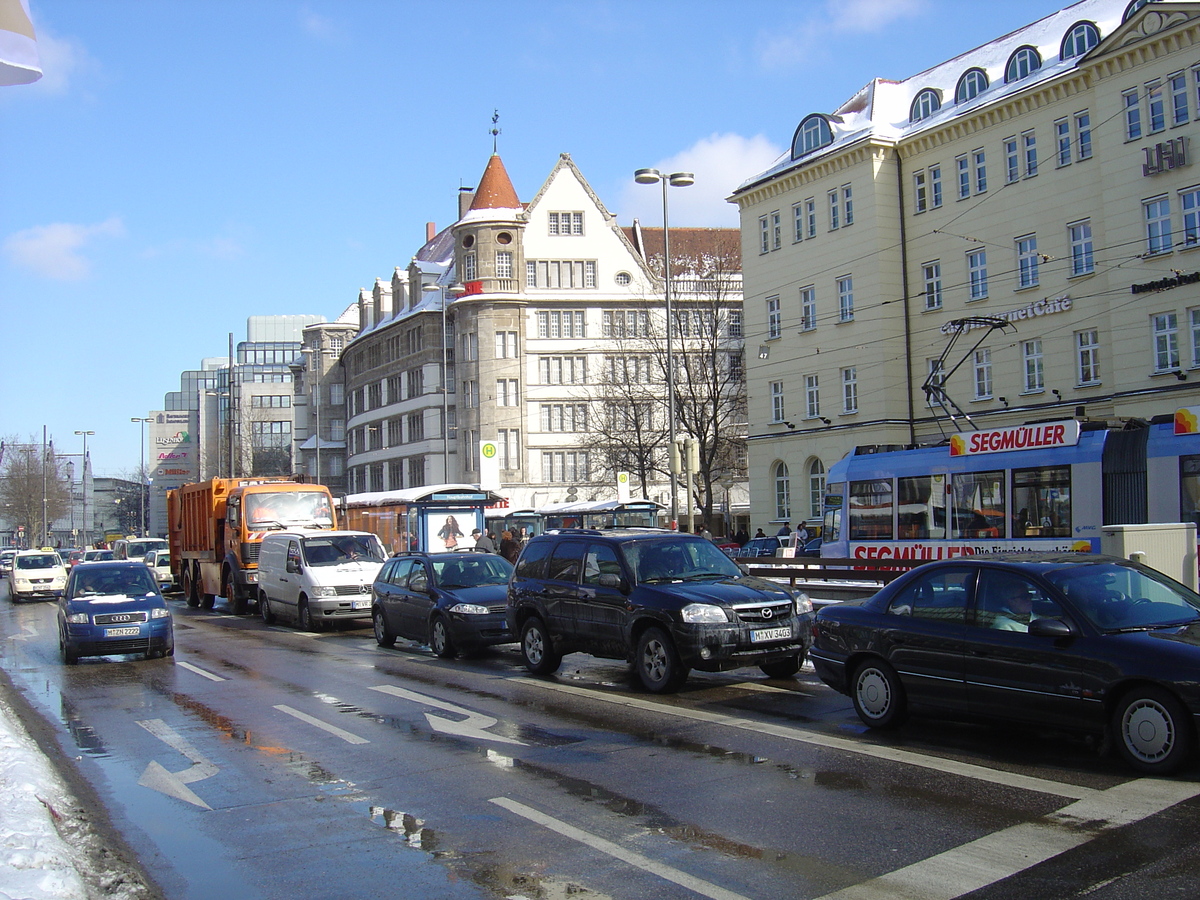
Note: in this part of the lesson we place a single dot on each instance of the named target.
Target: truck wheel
(190, 591)
(208, 601)
(235, 598)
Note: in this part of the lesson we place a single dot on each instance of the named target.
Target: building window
(395, 432)
(337, 394)
(508, 443)
(507, 393)
(1189, 202)
(470, 346)
(506, 345)
(1166, 342)
(562, 369)
(980, 161)
(1023, 63)
(924, 105)
(566, 417)
(737, 365)
(962, 168)
(623, 323)
(416, 427)
(808, 308)
(920, 194)
(559, 324)
(1133, 115)
(1087, 357)
(932, 275)
(566, 223)
(810, 216)
(764, 234)
(471, 394)
(565, 467)
(1031, 356)
(972, 83)
(1194, 322)
(1180, 111)
(935, 186)
(1156, 116)
(847, 205)
(850, 390)
(812, 397)
(776, 230)
(1062, 135)
(416, 472)
(1158, 224)
(797, 222)
(774, 319)
(1079, 40)
(1079, 237)
(469, 271)
(1029, 143)
(1012, 161)
(833, 210)
(814, 133)
(777, 410)
(816, 488)
(845, 289)
(983, 373)
(504, 264)
(1027, 262)
(734, 328)
(783, 500)
(556, 274)
(977, 273)
(1083, 135)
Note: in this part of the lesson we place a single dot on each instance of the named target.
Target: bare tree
(34, 487)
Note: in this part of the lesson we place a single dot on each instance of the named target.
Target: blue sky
(185, 164)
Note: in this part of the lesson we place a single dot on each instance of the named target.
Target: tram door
(1124, 467)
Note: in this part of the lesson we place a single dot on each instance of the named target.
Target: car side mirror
(420, 584)
(743, 568)
(293, 567)
(1053, 628)
(611, 580)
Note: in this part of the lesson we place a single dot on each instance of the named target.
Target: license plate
(771, 634)
(131, 631)
(365, 603)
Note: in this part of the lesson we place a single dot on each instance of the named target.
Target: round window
(469, 241)
(623, 278)
(504, 238)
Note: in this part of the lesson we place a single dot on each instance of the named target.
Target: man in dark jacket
(483, 542)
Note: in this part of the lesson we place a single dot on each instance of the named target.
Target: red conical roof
(495, 190)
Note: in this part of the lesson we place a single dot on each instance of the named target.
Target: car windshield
(1118, 598)
(41, 561)
(471, 570)
(284, 508)
(678, 559)
(335, 551)
(106, 582)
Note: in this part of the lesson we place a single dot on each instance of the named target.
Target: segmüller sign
(1018, 437)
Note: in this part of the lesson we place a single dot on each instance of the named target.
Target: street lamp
(86, 530)
(142, 474)
(675, 179)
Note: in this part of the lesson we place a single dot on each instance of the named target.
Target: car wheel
(1152, 731)
(783, 668)
(536, 648)
(658, 665)
(439, 639)
(383, 634)
(70, 655)
(264, 609)
(305, 617)
(878, 695)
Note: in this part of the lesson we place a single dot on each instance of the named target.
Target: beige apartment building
(1010, 236)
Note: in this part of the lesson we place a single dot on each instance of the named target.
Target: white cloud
(321, 27)
(871, 15)
(720, 162)
(61, 60)
(808, 40)
(56, 251)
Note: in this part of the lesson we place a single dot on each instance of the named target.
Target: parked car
(113, 607)
(6, 558)
(454, 602)
(1075, 641)
(317, 577)
(36, 573)
(159, 562)
(666, 601)
(761, 546)
(812, 548)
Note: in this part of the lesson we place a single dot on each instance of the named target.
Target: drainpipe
(908, 371)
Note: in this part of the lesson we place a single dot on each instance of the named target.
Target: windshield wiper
(1153, 627)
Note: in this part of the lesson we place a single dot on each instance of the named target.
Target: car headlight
(469, 609)
(77, 619)
(161, 613)
(803, 604)
(703, 613)
(324, 590)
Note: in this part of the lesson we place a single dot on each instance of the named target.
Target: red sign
(1019, 437)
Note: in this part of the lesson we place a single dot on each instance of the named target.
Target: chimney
(430, 231)
(466, 196)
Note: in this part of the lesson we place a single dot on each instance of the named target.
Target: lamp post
(675, 179)
(142, 474)
(86, 530)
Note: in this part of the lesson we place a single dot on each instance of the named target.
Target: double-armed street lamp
(675, 179)
(86, 530)
(142, 474)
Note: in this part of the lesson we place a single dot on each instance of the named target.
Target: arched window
(783, 493)
(926, 103)
(1023, 63)
(813, 134)
(1082, 37)
(1133, 7)
(816, 488)
(973, 83)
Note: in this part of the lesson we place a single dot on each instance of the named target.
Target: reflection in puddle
(85, 736)
(415, 833)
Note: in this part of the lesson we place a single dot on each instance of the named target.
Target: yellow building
(1040, 186)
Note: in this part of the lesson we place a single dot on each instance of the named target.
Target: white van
(315, 577)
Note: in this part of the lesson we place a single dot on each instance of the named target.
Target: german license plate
(770, 634)
(131, 631)
(365, 603)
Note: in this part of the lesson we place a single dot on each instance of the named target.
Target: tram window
(832, 529)
(978, 510)
(1042, 498)
(871, 510)
(1189, 489)
(922, 511)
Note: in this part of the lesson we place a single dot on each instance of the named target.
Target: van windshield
(342, 549)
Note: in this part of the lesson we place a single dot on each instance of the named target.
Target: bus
(1046, 486)
(601, 514)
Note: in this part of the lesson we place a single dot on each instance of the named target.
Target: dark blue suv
(668, 602)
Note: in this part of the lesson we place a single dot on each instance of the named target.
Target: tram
(1039, 486)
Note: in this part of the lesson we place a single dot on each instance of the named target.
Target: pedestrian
(758, 534)
(509, 548)
(705, 533)
(800, 537)
(785, 530)
(483, 542)
(742, 537)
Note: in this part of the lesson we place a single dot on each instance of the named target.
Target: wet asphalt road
(262, 762)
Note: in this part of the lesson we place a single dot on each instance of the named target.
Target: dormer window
(1079, 40)
(813, 134)
(973, 83)
(1023, 63)
(1133, 7)
(926, 103)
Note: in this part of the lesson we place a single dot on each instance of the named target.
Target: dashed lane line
(324, 726)
(199, 671)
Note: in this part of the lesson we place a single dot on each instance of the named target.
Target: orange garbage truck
(215, 527)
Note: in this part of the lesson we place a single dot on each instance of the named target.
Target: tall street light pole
(142, 474)
(675, 179)
(86, 530)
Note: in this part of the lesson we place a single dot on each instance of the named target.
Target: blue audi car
(113, 607)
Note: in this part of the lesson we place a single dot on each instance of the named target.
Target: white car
(159, 562)
(36, 573)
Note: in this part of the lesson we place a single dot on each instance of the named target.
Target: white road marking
(175, 784)
(1005, 853)
(704, 888)
(891, 754)
(324, 726)
(199, 671)
(475, 726)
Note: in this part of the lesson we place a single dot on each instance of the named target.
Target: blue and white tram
(1039, 486)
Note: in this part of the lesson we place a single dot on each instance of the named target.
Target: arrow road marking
(475, 726)
(175, 784)
(27, 631)
(324, 726)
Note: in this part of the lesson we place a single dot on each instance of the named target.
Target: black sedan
(1073, 640)
(453, 601)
